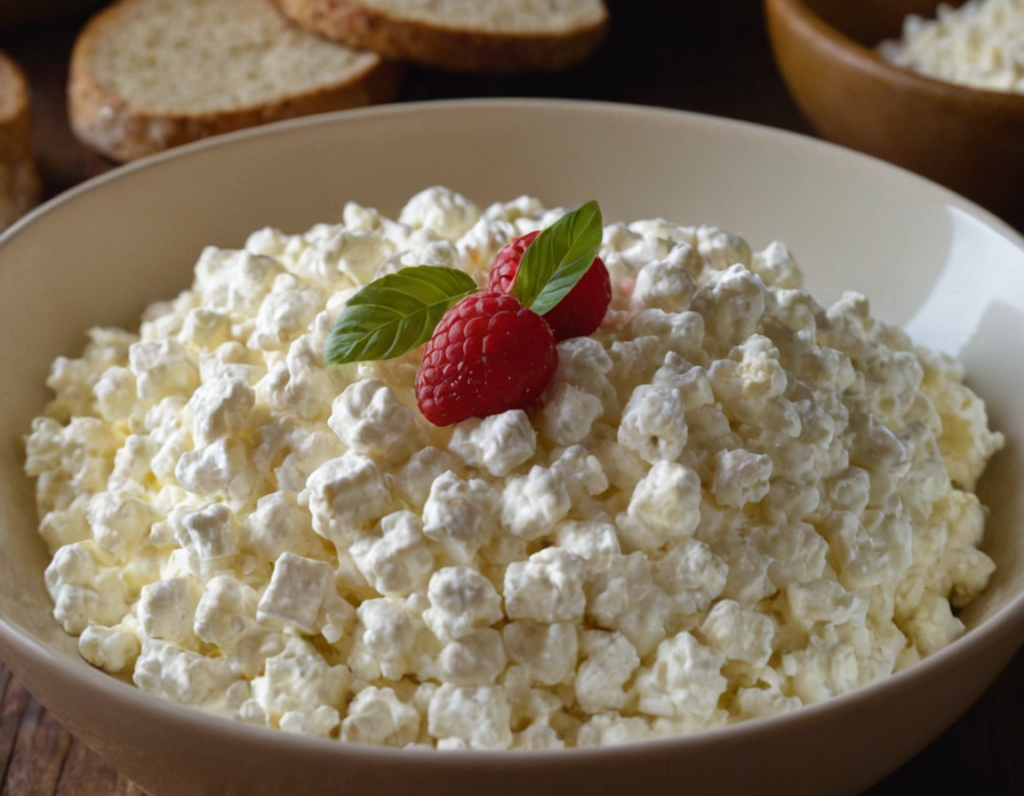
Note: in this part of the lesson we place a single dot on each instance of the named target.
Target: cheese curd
(731, 501)
(978, 44)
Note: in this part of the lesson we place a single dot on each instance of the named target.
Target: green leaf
(558, 258)
(396, 313)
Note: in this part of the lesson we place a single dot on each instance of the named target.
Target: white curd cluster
(980, 44)
(731, 501)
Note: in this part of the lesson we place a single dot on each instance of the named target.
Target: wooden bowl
(970, 140)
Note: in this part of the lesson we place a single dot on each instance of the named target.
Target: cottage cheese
(979, 44)
(731, 501)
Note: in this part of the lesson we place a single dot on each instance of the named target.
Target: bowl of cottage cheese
(933, 87)
(768, 505)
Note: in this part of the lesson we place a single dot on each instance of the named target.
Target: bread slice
(147, 75)
(498, 36)
(20, 186)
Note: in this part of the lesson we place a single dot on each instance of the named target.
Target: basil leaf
(558, 258)
(396, 313)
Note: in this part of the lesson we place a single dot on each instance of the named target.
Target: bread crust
(442, 47)
(122, 131)
(21, 187)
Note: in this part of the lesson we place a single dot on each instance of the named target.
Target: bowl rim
(1004, 622)
(799, 15)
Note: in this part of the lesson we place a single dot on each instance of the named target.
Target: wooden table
(709, 56)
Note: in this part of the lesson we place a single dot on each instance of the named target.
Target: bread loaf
(499, 36)
(147, 75)
(20, 186)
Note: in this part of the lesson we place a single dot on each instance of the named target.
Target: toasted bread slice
(20, 186)
(147, 75)
(498, 36)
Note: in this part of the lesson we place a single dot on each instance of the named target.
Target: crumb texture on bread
(202, 56)
(20, 185)
(498, 36)
(147, 75)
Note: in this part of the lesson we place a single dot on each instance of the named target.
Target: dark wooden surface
(710, 56)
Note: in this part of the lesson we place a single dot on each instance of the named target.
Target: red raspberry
(487, 355)
(506, 263)
(580, 312)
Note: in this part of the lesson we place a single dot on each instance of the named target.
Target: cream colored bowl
(97, 255)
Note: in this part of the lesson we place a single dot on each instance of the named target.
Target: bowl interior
(953, 274)
(870, 21)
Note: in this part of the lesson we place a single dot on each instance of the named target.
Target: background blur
(709, 56)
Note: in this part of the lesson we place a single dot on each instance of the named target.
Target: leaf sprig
(558, 258)
(395, 314)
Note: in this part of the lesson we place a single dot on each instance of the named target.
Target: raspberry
(487, 355)
(506, 263)
(580, 312)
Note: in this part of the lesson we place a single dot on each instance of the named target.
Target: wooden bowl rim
(796, 14)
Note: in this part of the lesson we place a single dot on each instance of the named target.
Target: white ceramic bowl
(97, 255)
